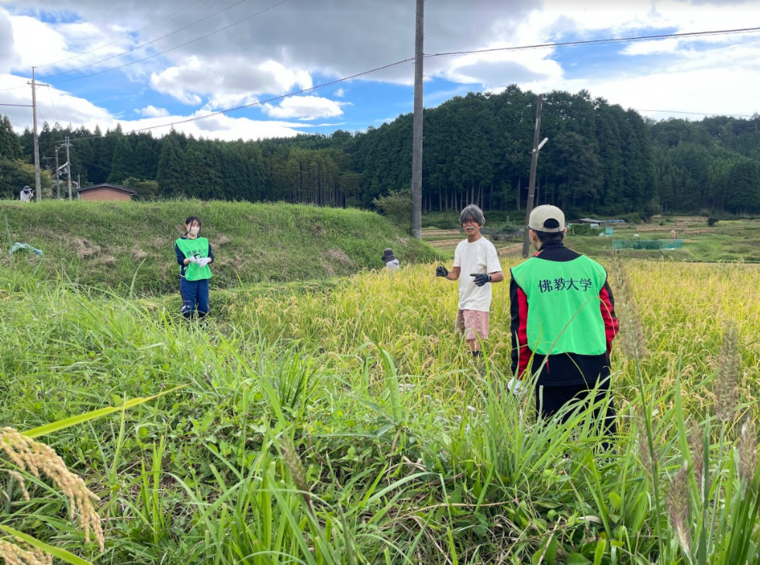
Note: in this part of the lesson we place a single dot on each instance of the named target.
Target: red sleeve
(611, 326)
(522, 333)
(518, 304)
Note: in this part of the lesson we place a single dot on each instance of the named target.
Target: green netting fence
(647, 244)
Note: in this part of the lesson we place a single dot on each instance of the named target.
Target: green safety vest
(564, 312)
(197, 247)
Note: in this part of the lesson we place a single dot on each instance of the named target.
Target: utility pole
(417, 129)
(57, 176)
(533, 167)
(67, 144)
(37, 181)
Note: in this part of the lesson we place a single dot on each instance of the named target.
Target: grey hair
(472, 213)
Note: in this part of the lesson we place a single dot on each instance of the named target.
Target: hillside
(105, 244)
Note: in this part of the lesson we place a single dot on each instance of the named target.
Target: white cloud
(223, 81)
(151, 111)
(719, 81)
(305, 107)
(79, 111)
(281, 50)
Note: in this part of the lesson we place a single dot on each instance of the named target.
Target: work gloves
(200, 261)
(513, 386)
(481, 279)
(441, 271)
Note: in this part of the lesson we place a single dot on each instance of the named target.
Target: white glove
(203, 261)
(513, 386)
(194, 260)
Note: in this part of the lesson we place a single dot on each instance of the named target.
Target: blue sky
(276, 47)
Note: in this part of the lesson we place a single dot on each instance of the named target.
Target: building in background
(105, 192)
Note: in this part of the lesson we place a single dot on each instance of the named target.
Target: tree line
(600, 159)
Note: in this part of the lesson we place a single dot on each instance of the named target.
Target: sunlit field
(343, 422)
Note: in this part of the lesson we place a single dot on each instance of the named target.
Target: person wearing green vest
(563, 320)
(194, 256)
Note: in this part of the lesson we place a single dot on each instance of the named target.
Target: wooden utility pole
(37, 181)
(533, 167)
(417, 131)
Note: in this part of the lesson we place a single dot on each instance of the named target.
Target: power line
(275, 98)
(173, 48)
(600, 41)
(452, 53)
(18, 105)
(259, 103)
(122, 37)
(147, 43)
(337, 81)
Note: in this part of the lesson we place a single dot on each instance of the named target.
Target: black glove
(481, 279)
(441, 271)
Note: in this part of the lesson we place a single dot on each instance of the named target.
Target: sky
(152, 64)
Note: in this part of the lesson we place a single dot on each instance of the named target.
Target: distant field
(728, 241)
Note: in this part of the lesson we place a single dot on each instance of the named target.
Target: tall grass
(346, 424)
(129, 246)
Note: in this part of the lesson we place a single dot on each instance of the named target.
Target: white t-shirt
(392, 265)
(474, 258)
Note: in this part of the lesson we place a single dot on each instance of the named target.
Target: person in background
(26, 194)
(477, 258)
(391, 263)
(563, 321)
(194, 256)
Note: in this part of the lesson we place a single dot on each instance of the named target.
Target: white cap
(541, 214)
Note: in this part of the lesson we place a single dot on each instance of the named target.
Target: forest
(600, 158)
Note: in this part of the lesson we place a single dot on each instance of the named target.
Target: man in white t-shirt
(476, 257)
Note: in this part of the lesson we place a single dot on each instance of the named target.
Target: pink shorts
(473, 324)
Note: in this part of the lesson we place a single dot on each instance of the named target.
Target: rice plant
(344, 423)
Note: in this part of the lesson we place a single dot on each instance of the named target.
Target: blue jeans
(194, 294)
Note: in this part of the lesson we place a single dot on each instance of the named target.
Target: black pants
(550, 399)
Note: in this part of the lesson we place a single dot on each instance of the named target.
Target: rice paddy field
(342, 422)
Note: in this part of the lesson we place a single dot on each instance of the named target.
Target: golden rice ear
(22, 554)
(39, 459)
(632, 334)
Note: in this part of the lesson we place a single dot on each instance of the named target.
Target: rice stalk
(40, 459)
(23, 554)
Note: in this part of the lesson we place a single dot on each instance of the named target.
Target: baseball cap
(541, 215)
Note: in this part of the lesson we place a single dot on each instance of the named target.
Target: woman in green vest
(194, 256)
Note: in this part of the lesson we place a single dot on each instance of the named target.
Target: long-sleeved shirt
(560, 369)
(181, 257)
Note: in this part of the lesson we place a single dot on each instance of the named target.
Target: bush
(396, 206)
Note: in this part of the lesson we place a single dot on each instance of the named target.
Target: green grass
(343, 422)
(111, 244)
(734, 241)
